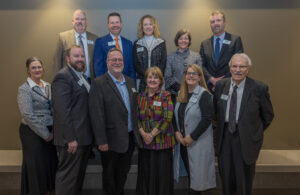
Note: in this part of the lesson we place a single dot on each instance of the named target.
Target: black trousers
(237, 176)
(115, 169)
(71, 170)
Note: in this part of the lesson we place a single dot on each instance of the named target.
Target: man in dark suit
(113, 40)
(77, 36)
(72, 128)
(243, 110)
(217, 50)
(113, 112)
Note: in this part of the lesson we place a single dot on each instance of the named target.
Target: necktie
(81, 42)
(232, 111)
(117, 43)
(217, 50)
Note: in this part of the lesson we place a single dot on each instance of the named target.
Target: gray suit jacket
(66, 40)
(109, 114)
(256, 114)
(35, 108)
(70, 109)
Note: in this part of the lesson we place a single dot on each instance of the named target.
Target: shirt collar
(83, 35)
(113, 36)
(115, 80)
(222, 36)
(241, 85)
(33, 84)
(79, 74)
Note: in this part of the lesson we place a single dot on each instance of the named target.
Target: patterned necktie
(232, 111)
(81, 42)
(117, 43)
(217, 50)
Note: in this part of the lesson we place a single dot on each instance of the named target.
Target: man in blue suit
(113, 39)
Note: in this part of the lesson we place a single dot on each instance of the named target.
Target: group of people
(117, 95)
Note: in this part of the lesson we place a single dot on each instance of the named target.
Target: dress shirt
(32, 84)
(87, 72)
(221, 37)
(125, 96)
(119, 40)
(239, 93)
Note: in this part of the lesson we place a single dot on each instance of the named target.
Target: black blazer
(227, 51)
(256, 114)
(109, 114)
(70, 109)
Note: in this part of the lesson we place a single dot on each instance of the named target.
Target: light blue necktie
(217, 50)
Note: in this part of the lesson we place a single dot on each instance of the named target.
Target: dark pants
(71, 170)
(237, 176)
(115, 169)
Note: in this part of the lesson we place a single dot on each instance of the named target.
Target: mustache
(238, 72)
(79, 24)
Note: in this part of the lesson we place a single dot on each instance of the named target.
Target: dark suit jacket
(100, 54)
(256, 114)
(66, 40)
(70, 109)
(109, 114)
(227, 51)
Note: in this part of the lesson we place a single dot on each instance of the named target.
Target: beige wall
(270, 37)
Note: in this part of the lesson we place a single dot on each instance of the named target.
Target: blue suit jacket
(100, 54)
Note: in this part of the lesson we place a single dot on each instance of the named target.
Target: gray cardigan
(176, 65)
(34, 106)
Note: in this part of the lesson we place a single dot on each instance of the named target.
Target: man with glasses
(243, 111)
(77, 36)
(217, 50)
(112, 103)
(113, 40)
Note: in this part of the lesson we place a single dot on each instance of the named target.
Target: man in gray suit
(218, 49)
(71, 122)
(113, 109)
(244, 111)
(77, 36)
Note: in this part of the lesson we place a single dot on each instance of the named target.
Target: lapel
(115, 89)
(124, 46)
(246, 95)
(212, 51)
(72, 38)
(108, 39)
(224, 46)
(38, 91)
(90, 46)
(76, 78)
(130, 92)
(225, 92)
(194, 95)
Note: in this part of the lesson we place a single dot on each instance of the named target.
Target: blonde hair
(156, 31)
(157, 72)
(183, 93)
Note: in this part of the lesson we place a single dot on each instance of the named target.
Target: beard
(78, 65)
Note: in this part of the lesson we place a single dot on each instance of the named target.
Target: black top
(206, 107)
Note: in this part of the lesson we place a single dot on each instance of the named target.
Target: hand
(72, 147)
(179, 137)
(154, 132)
(103, 148)
(50, 138)
(147, 137)
(214, 80)
(188, 140)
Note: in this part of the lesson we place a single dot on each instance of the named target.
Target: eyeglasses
(242, 67)
(192, 73)
(116, 60)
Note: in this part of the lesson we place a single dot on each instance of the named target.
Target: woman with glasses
(193, 121)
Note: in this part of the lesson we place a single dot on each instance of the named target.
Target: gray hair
(243, 55)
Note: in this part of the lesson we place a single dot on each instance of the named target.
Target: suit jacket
(109, 114)
(70, 109)
(256, 114)
(210, 69)
(102, 48)
(65, 41)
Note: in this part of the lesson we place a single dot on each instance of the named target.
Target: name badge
(80, 83)
(133, 90)
(193, 99)
(90, 42)
(224, 97)
(156, 103)
(140, 49)
(111, 43)
(227, 42)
